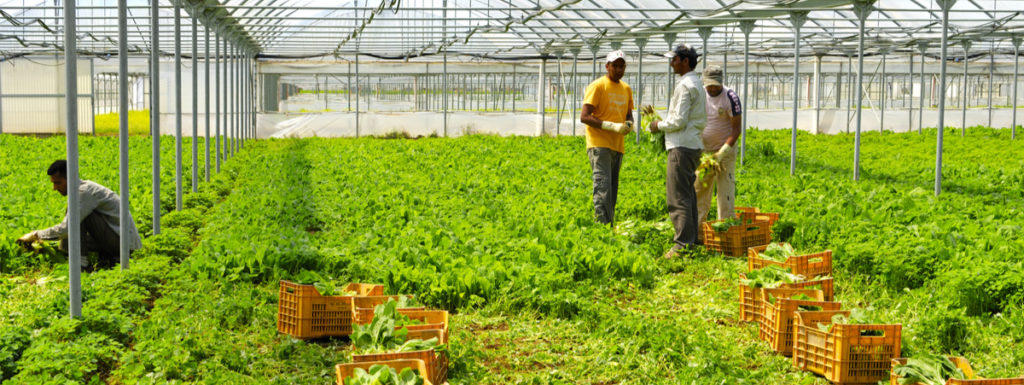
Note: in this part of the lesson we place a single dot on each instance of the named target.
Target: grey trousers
(605, 163)
(98, 237)
(681, 196)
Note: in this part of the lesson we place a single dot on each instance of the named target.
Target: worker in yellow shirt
(607, 112)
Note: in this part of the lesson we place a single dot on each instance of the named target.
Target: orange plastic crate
(750, 304)
(303, 313)
(755, 214)
(436, 362)
(964, 365)
(810, 265)
(345, 371)
(844, 355)
(431, 319)
(735, 241)
(776, 319)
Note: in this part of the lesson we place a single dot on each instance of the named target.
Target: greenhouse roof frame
(516, 29)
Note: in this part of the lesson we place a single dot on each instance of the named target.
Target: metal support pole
(670, 39)
(540, 93)
(862, 9)
(177, 106)
(206, 107)
(849, 91)
(122, 89)
(910, 88)
(704, 33)
(71, 119)
(640, 44)
(195, 102)
(963, 93)
(444, 35)
(1016, 68)
(154, 108)
(575, 96)
(515, 87)
(216, 98)
(881, 101)
(358, 88)
(797, 19)
(946, 5)
(991, 69)
(746, 26)
(923, 47)
(558, 96)
(817, 91)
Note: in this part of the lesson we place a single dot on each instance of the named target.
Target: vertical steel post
(817, 90)
(881, 103)
(358, 89)
(177, 106)
(195, 101)
(71, 120)
(704, 33)
(963, 93)
(923, 47)
(991, 69)
(862, 9)
(575, 96)
(670, 39)
(206, 106)
(1016, 68)
(444, 35)
(540, 93)
(946, 5)
(746, 26)
(154, 105)
(910, 89)
(122, 114)
(797, 19)
(216, 98)
(640, 44)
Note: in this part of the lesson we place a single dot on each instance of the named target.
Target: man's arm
(737, 118)
(677, 122)
(587, 116)
(86, 204)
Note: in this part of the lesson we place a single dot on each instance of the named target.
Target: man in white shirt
(719, 137)
(101, 225)
(682, 127)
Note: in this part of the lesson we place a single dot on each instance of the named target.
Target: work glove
(620, 128)
(721, 153)
(27, 239)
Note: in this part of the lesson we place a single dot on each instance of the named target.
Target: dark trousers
(681, 195)
(605, 163)
(98, 237)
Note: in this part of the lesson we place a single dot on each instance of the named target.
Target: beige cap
(713, 76)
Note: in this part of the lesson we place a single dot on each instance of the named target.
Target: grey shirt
(94, 198)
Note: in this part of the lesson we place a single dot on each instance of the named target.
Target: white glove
(621, 128)
(721, 152)
(27, 239)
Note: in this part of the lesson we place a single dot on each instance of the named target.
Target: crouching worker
(101, 222)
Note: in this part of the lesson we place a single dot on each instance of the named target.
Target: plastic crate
(435, 362)
(810, 265)
(345, 371)
(431, 319)
(303, 313)
(776, 319)
(844, 355)
(755, 214)
(735, 241)
(750, 304)
(964, 365)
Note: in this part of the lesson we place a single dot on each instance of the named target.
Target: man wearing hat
(682, 127)
(607, 112)
(722, 106)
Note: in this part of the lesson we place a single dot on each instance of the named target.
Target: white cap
(615, 55)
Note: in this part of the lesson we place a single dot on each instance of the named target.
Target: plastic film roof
(515, 29)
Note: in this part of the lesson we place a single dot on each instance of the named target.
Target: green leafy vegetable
(380, 335)
(771, 276)
(928, 369)
(778, 252)
(384, 375)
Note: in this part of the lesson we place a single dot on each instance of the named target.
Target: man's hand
(654, 126)
(721, 152)
(27, 239)
(621, 128)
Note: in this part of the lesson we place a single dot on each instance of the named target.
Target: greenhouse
(511, 192)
